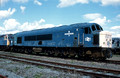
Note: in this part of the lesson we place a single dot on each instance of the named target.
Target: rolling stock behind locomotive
(85, 40)
(5, 41)
(116, 45)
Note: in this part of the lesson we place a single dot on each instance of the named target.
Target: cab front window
(93, 28)
(101, 28)
(98, 27)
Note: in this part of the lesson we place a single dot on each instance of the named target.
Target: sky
(25, 15)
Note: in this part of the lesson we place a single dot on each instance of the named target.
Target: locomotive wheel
(29, 51)
(20, 50)
(11, 49)
(15, 50)
(26, 51)
(72, 54)
(65, 54)
(95, 57)
(102, 59)
(50, 53)
(57, 53)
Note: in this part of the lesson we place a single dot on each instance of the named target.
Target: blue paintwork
(59, 36)
(2, 41)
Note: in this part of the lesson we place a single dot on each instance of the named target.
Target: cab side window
(87, 30)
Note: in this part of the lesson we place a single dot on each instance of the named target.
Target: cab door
(87, 37)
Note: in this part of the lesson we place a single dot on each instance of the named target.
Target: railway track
(105, 61)
(92, 71)
(112, 61)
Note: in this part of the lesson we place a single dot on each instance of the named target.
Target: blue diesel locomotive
(83, 40)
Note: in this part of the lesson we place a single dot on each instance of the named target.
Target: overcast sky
(23, 15)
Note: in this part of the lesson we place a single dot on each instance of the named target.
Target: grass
(41, 67)
(54, 77)
(38, 75)
(16, 69)
(27, 67)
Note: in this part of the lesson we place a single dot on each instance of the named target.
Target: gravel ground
(115, 57)
(14, 69)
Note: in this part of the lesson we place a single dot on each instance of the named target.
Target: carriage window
(93, 28)
(38, 37)
(87, 30)
(44, 37)
(30, 38)
(19, 40)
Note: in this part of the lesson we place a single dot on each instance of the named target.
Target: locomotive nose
(105, 39)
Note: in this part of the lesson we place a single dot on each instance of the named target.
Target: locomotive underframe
(79, 52)
(4, 48)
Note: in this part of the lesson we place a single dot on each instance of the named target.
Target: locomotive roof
(60, 28)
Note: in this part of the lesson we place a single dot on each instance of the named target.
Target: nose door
(81, 37)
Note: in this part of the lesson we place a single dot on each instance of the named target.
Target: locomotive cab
(98, 37)
(97, 41)
(92, 35)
